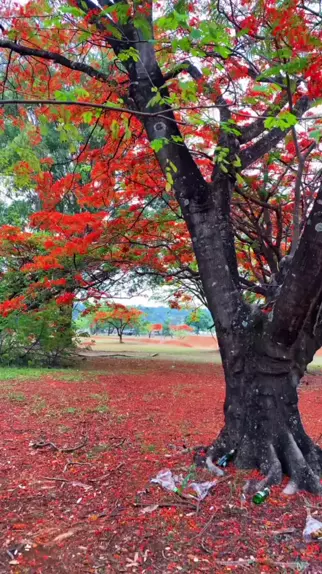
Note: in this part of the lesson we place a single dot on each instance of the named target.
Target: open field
(193, 349)
(79, 448)
(198, 349)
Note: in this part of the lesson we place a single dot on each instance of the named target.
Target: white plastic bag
(167, 480)
(313, 529)
(173, 482)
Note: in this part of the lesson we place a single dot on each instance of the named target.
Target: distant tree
(119, 317)
(145, 328)
(200, 320)
(181, 330)
(166, 329)
(157, 328)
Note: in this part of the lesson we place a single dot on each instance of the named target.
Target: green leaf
(237, 162)
(129, 54)
(196, 34)
(73, 11)
(62, 96)
(158, 143)
(283, 121)
(87, 117)
(240, 179)
(115, 129)
(169, 177)
(173, 167)
(316, 135)
(143, 25)
(113, 31)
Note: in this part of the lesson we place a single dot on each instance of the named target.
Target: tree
(119, 317)
(200, 320)
(181, 330)
(237, 160)
(166, 329)
(156, 328)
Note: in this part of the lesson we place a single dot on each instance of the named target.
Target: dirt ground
(79, 449)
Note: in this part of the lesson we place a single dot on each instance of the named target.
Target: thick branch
(185, 66)
(55, 57)
(251, 154)
(223, 184)
(255, 129)
(302, 286)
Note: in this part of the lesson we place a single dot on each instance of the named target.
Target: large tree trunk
(262, 420)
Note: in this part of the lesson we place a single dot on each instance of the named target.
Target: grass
(23, 373)
(148, 448)
(137, 348)
(17, 397)
(71, 374)
(10, 373)
(71, 410)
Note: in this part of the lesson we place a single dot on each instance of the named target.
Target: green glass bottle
(224, 460)
(261, 495)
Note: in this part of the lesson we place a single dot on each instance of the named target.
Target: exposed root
(303, 466)
(213, 468)
(291, 488)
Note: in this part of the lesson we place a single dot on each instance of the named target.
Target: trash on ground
(260, 496)
(202, 489)
(149, 509)
(226, 459)
(313, 529)
(177, 483)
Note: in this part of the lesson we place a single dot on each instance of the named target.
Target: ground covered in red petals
(78, 450)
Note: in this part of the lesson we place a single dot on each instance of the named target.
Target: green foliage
(44, 337)
(166, 329)
(200, 320)
(284, 121)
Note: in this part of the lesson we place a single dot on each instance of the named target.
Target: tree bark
(262, 421)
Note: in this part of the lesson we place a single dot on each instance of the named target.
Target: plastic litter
(177, 483)
(202, 489)
(226, 459)
(167, 480)
(313, 529)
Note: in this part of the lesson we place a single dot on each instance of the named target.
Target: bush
(42, 337)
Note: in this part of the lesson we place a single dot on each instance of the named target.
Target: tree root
(299, 459)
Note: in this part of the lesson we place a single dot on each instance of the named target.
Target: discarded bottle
(225, 460)
(261, 495)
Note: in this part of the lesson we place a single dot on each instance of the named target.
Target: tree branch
(185, 66)
(297, 297)
(250, 155)
(110, 107)
(255, 129)
(55, 57)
